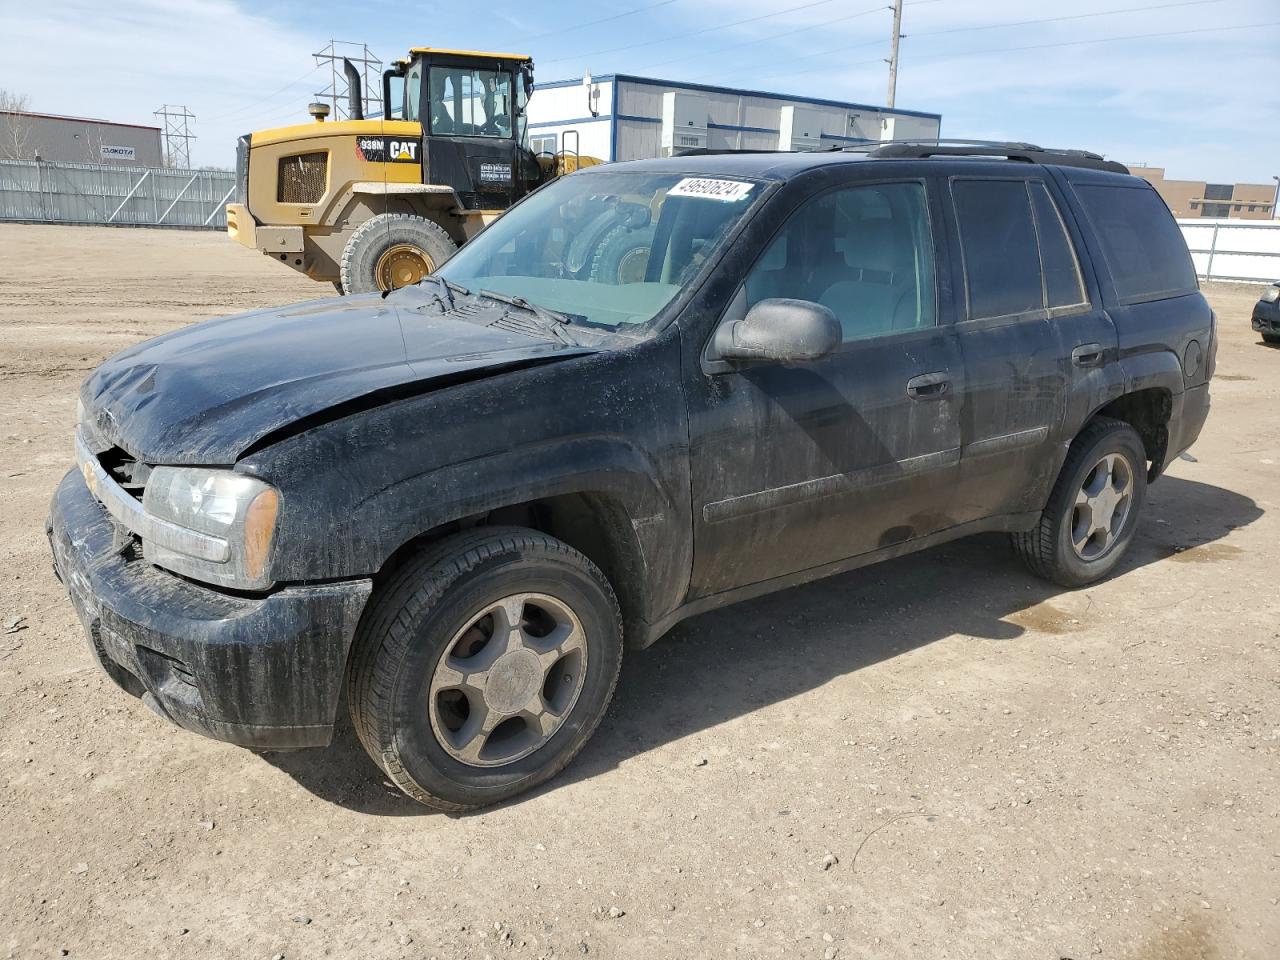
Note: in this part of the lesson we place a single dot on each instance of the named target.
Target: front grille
(300, 178)
(126, 471)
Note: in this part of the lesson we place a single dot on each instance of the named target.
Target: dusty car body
(1266, 314)
(447, 499)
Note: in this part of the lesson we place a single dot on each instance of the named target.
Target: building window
(1218, 191)
(543, 143)
(1215, 209)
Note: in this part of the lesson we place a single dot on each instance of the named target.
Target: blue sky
(1191, 85)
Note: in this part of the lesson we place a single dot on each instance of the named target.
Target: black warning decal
(388, 149)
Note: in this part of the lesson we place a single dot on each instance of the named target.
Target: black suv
(649, 390)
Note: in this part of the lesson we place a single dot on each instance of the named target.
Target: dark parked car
(459, 500)
(1266, 314)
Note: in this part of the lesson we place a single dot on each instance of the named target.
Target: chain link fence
(36, 191)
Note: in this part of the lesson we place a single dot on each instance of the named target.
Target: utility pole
(177, 135)
(893, 54)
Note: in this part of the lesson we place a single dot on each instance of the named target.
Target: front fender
(606, 467)
(607, 424)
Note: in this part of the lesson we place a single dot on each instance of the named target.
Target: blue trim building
(626, 117)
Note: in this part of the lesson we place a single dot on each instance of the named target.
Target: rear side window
(998, 237)
(1062, 284)
(1141, 241)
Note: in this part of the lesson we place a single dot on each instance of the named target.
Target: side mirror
(784, 331)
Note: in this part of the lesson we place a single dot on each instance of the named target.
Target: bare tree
(16, 133)
(93, 145)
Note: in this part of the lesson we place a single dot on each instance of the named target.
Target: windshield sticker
(727, 190)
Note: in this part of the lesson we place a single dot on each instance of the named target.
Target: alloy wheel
(1102, 507)
(508, 680)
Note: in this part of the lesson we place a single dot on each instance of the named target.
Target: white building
(621, 117)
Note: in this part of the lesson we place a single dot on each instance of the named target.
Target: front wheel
(1093, 511)
(1272, 338)
(484, 665)
(393, 250)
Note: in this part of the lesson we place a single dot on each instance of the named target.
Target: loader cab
(473, 111)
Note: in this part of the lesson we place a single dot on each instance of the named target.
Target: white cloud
(122, 60)
(1199, 103)
(1153, 98)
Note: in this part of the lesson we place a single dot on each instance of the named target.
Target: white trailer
(623, 117)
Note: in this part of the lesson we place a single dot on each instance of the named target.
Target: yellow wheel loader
(379, 203)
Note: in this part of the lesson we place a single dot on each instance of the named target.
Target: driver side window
(864, 252)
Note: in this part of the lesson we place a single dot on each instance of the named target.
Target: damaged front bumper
(261, 672)
(1266, 317)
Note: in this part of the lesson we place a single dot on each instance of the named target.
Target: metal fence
(1234, 249)
(36, 191)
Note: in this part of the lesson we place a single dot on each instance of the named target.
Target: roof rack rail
(719, 151)
(1023, 152)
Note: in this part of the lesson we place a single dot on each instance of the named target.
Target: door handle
(929, 386)
(1087, 355)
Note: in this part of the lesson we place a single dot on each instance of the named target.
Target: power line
(1073, 16)
(593, 23)
(695, 33)
(854, 46)
(1036, 46)
(249, 105)
(1077, 43)
(774, 37)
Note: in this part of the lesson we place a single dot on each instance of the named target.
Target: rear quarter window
(1140, 240)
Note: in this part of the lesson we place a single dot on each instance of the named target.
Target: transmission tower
(176, 122)
(336, 93)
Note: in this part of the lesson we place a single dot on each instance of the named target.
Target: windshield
(607, 249)
(470, 103)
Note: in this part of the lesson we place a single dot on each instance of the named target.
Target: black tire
(376, 236)
(1047, 548)
(622, 255)
(413, 618)
(1272, 338)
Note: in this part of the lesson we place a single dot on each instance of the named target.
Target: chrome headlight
(1271, 294)
(230, 506)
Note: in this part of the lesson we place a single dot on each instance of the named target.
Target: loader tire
(393, 250)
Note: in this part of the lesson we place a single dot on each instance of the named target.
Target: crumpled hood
(206, 393)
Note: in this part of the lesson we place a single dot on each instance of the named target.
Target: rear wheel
(1093, 511)
(393, 250)
(483, 666)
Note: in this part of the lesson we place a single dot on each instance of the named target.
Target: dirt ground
(1001, 769)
